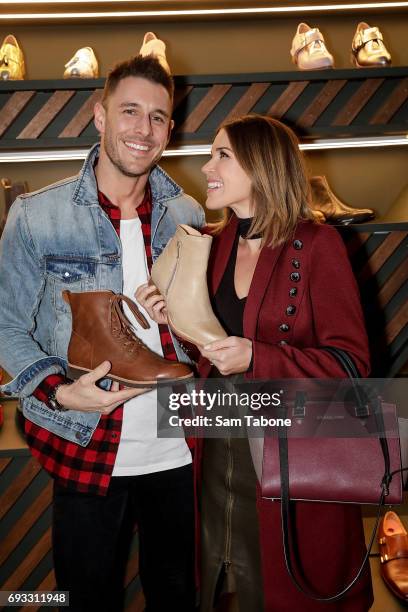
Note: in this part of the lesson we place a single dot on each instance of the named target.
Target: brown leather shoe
(393, 545)
(335, 211)
(101, 331)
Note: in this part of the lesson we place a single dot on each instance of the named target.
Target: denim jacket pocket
(73, 273)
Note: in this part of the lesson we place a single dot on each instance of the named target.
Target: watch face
(53, 403)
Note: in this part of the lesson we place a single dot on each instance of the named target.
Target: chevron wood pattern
(47, 113)
(286, 99)
(320, 102)
(25, 532)
(83, 116)
(357, 101)
(13, 107)
(317, 104)
(391, 104)
(379, 256)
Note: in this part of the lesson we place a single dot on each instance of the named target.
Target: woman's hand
(230, 356)
(153, 302)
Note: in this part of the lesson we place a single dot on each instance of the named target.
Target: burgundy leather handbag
(356, 470)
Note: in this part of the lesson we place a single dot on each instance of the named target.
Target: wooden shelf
(317, 104)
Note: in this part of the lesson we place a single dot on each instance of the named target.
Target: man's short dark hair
(147, 67)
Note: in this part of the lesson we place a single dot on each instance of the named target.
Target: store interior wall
(361, 177)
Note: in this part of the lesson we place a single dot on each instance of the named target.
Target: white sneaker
(83, 65)
(156, 47)
(308, 50)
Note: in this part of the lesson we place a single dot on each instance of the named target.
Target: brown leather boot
(101, 331)
(335, 211)
(180, 274)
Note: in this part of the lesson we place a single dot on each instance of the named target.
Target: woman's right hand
(153, 302)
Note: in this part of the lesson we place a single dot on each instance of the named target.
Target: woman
(282, 288)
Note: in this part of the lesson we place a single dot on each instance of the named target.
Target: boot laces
(121, 327)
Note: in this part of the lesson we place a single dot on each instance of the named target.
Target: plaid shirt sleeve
(47, 385)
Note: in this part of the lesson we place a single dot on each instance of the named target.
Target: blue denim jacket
(60, 238)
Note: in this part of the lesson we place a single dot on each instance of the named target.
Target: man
(99, 231)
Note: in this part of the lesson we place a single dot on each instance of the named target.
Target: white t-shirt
(140, 450)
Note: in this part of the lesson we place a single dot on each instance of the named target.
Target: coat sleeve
(21, 287)
(336, 317)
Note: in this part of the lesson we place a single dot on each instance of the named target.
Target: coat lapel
(260, 282)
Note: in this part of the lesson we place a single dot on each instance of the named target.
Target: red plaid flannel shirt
(89, 469)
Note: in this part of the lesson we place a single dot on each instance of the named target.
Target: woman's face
(228, 186)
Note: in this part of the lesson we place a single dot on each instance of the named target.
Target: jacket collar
(86, 192)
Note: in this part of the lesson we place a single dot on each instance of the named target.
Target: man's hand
(149, 297)
(230, 356)
(84, 395)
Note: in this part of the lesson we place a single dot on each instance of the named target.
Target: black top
(227, 306)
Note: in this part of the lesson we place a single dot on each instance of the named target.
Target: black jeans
(92, 536)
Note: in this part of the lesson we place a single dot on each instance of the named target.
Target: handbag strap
(287, 533)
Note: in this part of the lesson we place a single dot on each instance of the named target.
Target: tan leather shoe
(180, 274)
(309, 51)
(83, 65)
(154, 46)
(101, 331)
(335, 211)
(393, 546)
(368, 48)
(12, 65)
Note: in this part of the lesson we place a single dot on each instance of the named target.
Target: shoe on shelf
(335, 211)
(102, 332)
(12, 65)
(393, 547)
(180, 274)
(83, 65)
(309, 51)
(154, 46)
(368, 48)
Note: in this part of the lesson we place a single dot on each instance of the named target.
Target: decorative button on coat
(284, 327)
(295, 277)
(290, 310)
(293, 291)
(296, 263)
(297, 244)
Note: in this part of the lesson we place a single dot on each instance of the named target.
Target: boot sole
(76, 372)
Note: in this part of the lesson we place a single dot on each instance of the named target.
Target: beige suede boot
(180, 274)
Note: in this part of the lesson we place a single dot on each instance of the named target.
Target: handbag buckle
(299, 409)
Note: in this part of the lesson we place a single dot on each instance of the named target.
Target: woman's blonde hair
(268, 152)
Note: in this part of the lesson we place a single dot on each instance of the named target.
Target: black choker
(243, 228)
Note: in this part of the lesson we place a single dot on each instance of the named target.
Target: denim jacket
(60, 238)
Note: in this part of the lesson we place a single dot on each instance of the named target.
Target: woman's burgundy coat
(327, 312)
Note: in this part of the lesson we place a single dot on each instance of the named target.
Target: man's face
(135, 126)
